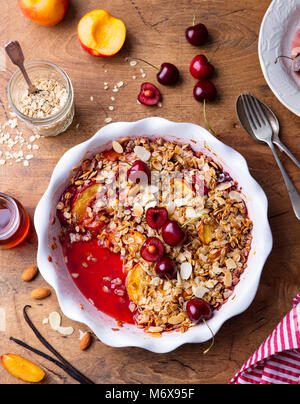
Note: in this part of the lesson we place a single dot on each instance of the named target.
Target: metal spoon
(273, 122)
(15, 53)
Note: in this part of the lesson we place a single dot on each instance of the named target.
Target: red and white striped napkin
(277, 360)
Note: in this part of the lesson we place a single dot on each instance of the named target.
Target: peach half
(44, 12)
(101, 34)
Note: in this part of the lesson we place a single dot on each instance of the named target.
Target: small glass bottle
(14, 222)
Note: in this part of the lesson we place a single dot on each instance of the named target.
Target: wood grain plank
(156, 33)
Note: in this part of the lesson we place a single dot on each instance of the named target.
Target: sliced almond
(142, 153)
(40, 293)
(236, 196)
(170, 207)
(30, 273)
(118, 148)
(200, 291)
(224, 186)
(186, 270)
(155, 329)
(138, 210)
(85, 342)
(66, 330)
(54, 320)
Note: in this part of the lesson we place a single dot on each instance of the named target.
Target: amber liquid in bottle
(14, 222)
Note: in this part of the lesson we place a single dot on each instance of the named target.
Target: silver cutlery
(273, 122)
(15, 53)
(254, 118)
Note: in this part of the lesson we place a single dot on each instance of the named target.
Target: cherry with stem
(167, 75)
(197, 34)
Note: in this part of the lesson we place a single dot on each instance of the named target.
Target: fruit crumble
(154, 233)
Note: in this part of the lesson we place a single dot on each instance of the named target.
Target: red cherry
(168, 74)
(198, 309)
(197, 35)
(173, 234)
(205, 90)
(149, 94)
(200, 68)
(166, 268)
(152, 249)
(156, 217)
(139, 171)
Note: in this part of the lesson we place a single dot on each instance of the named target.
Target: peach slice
(206, 232)
(22, 368)
(139, 238)
(44, 12)
(135, 283)
(101, 34)
(182, 189)
(83, 200)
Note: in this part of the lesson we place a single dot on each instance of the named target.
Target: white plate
(57, 274)
(277, 32)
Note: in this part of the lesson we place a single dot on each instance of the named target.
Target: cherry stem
(213, 338)
(279, 57)
(194, 18)
(195, 218)
(206, 121)
(144, 61)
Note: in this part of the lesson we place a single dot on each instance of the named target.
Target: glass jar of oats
(50, 111)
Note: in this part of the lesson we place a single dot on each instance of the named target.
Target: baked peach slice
(101, 34)
(84, 199)
(206, 232)
(22, 368)
(135, 283)
(182, 189)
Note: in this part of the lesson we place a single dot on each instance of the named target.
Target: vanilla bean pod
(51, 349)
(49, 358)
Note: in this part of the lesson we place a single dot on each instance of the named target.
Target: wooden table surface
(156, 33)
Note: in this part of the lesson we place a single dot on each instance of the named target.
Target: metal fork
(263, 131)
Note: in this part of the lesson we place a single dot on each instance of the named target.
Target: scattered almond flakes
(117, 147)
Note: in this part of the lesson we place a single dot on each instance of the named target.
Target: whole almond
(40, 293)
(85, 342)
(30, 273)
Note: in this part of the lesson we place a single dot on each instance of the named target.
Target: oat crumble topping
(212, 211)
